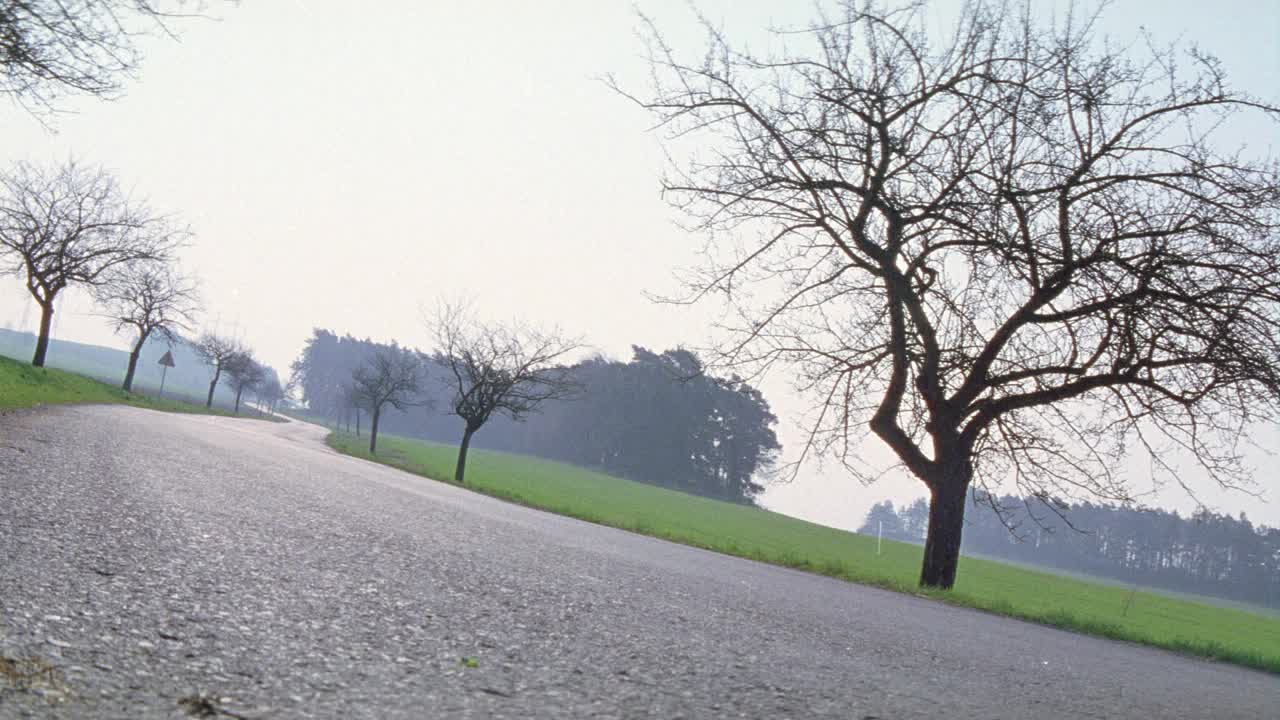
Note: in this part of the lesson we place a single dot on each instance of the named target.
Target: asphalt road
(154, 557)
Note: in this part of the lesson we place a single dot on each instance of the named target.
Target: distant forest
(656, 419)
(1205, 553)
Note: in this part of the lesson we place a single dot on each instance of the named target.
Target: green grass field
(23, 386)
(1111, 611)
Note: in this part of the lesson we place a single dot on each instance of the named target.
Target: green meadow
(1108, 610)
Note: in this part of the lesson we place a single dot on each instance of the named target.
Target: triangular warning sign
(167, 359)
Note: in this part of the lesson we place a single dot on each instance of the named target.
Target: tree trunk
(357, 423)
(238, 394)
(42, 342)
(373, 432)
(133, 363)
(217, 373)
(460, 472)
(946, 525)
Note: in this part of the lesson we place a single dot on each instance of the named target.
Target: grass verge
(1110, 611)
(24, 386)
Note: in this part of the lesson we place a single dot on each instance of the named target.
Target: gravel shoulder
(150, 558)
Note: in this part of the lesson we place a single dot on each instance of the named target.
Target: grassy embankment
(23, 386)
(1098, 609)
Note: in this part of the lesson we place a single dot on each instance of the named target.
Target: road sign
(166, 361)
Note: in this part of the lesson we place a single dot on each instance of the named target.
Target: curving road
(154, 557)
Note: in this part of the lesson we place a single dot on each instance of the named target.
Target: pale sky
(343, 166)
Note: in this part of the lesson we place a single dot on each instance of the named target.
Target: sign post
(166, 362)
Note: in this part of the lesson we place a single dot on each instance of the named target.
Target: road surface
(154, 558)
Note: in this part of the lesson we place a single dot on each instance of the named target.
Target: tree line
(658, 418)
(72, 226)
(1205, 553)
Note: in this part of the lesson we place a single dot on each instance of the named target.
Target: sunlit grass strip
(1109, 611)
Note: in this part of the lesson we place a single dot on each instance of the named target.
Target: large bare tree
(1009, 250)
(73, 225)
(220, 353)
(148, 299)
(497, 368)
(51, 47)
(393, 376)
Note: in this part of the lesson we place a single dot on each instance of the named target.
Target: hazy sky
(343, 167)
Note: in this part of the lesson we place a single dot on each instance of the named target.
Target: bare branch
(52, 47)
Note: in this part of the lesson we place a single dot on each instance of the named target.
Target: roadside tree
(492, 368)
(149, 299)
(270, 392)
(244, 373)
(322, 373)
(351, 404)
(392, 377)
(1010, 250)
(70, 226)
(219, 353)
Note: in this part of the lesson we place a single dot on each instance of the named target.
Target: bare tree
(72, 226)
(351, 403)
(270, 392)
(1010, 252)
(492, 368)
(244, 372)
(48, 47)
(393, 376)
(220, 353)
(288, 393)
(149, 299)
